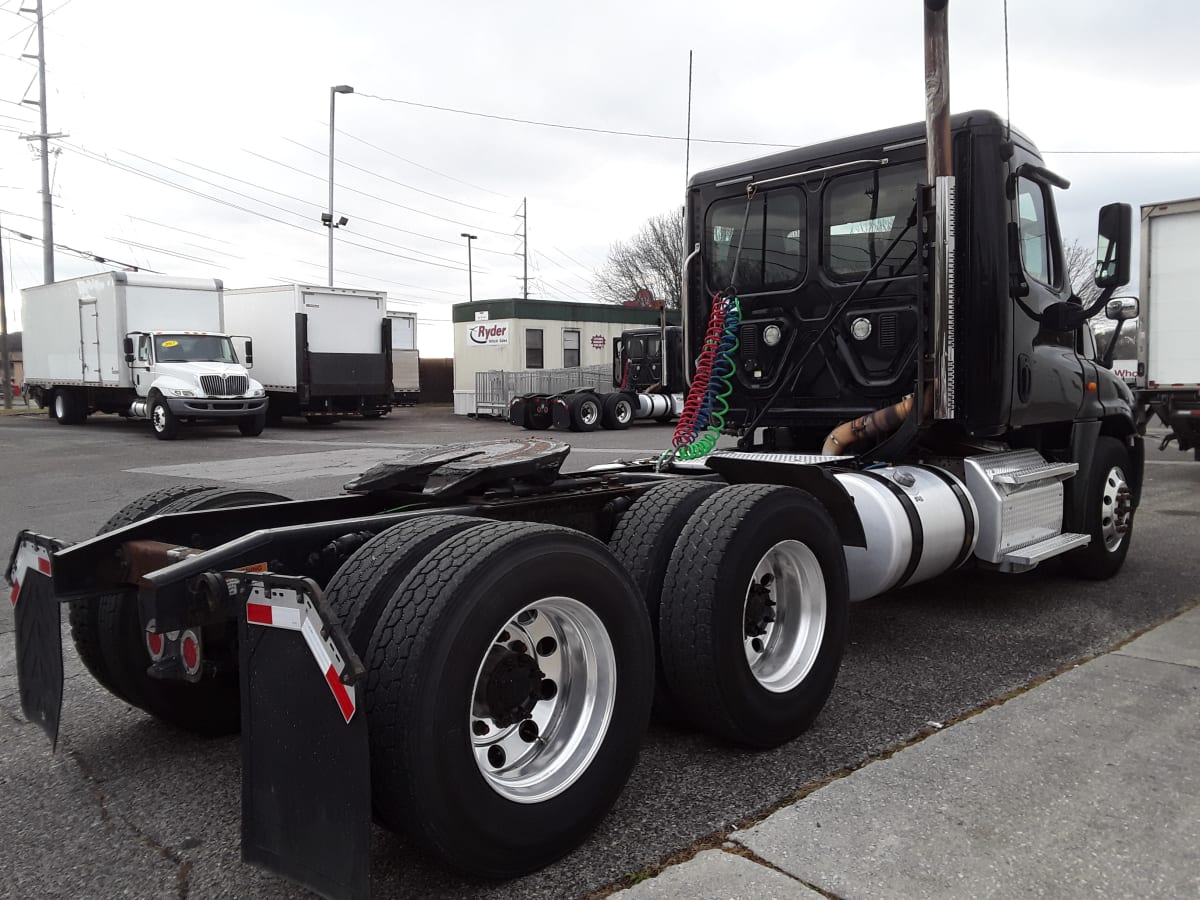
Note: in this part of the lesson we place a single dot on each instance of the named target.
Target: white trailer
(322, 352)
(1169, 335)
(140, 346)
(406, 359)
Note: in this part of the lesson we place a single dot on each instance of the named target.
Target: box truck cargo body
(1169, 332)
(406, 360)
(320, 352)
(140, 346)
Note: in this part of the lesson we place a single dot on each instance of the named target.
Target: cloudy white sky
(198, 131)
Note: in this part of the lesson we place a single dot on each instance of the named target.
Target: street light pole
(329, 222)
(470, 287)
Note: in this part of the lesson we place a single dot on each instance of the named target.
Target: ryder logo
(488, 333)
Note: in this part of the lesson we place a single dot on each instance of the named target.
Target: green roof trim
(558, 311)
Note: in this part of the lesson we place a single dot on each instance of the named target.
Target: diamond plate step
(1046, 471)
(1043, 550)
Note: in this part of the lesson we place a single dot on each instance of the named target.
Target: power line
(82, 254)
(613, 131)
(419, 166)
(357, 217)
(350, 165)
(411, 209)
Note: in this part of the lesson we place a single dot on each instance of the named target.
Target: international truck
(406, 359)
(139, 346)
(1168, 373)
(323, 353)
(647, 367)
(467, 644)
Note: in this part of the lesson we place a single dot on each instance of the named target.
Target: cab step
(1027, 557)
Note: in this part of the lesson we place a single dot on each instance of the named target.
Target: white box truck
(1169, 333)
(406, 359)
(140, 346)
(321, 352)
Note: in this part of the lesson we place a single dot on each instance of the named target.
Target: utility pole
(525, 246)
(327, 218)
(4, 359)
(44, 138)
(470, 276)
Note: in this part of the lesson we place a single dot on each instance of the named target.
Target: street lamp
(470, 289)
(327, 218)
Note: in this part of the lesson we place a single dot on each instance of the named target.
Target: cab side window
(1037, 246)
(143, 349)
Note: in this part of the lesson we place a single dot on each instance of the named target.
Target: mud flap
(306, 793)
(38, 621)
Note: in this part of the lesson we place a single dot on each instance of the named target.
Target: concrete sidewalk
(1087, 785)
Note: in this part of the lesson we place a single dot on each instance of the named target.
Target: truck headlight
(184, 393)
(258, 392)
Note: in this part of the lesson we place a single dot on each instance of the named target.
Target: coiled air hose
(703, 417)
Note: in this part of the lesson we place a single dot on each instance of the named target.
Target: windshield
(194, 348)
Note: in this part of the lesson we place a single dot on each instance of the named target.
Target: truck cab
(193, 375)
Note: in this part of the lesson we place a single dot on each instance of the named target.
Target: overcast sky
(230, 100)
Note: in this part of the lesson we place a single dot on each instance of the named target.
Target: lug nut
(503, 638)
(546, 646)
(496, 757)
(528, 731)
(518, 647)
(479, 728)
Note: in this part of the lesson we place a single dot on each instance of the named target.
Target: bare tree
(651, 260)
(1081, 264)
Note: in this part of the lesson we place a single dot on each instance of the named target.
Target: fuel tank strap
(968, 515)
(914, 524)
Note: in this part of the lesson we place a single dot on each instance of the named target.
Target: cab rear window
(772, 250)
(863, 214)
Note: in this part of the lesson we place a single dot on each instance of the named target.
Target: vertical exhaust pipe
(939, 166)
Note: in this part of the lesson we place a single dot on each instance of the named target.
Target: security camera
(343, 221)
(326, 219)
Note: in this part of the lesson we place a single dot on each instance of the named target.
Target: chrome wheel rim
(542, 700)
(589, 413)
(1114, 510)
(59, 407)
(158, 417)
(624, 411)
(783, 616)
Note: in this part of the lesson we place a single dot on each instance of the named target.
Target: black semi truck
(647, 377)
(468, 642)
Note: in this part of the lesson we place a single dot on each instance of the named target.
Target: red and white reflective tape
(30, 556)
(291, 610)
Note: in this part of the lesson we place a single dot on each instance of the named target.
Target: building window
(571, 348)
(533, 349)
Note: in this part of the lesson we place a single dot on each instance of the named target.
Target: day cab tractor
(468, 643)
(647, 367)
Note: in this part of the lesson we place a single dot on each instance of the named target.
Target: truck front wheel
(509, 689)
(1108, 514)
(252, 426)
(754, 614)
(162, 420)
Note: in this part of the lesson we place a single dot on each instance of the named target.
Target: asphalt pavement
(130, 807)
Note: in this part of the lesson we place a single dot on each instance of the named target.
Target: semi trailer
(324, 353)
(1168, 365)
(647, 375)
(467, 643)
(139, 346)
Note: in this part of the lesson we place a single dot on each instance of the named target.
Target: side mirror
(127, 345)
(1113, 242)
(1119, 309)
(249, 354)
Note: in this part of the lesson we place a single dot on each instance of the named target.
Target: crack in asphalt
(103, 798)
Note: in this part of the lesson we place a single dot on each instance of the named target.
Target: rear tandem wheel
(508, 691)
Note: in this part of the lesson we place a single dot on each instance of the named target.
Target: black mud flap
(38, 631)
(306, 792)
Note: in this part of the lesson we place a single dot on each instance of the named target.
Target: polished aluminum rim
(535, 751)
(159, 417)
(60, 405)
(589, 412)
(784, 616)
(624, 411)
(1114, 509)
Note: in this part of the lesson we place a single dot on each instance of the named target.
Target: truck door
(1047, 371)
(89, 340)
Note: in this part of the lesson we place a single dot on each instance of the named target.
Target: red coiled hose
(685, 428)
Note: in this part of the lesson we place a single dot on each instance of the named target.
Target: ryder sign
(488, 333)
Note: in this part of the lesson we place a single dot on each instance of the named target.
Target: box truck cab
(187, 375)
(140, 346)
